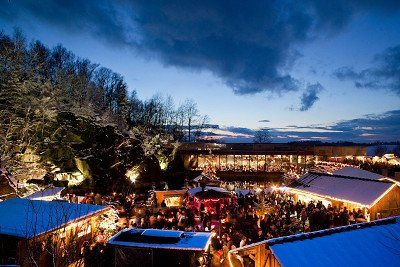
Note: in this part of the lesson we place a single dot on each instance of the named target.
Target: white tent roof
(195, 190)
(357, 190)
(46, 193)
(355, 172)
(200, 177)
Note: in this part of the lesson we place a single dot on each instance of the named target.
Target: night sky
(308, 70)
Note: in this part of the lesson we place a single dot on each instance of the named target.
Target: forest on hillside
(68, 112)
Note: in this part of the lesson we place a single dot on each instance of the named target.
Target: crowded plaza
(235, 218)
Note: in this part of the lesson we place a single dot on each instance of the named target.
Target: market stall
(211, 199)
(171, 198)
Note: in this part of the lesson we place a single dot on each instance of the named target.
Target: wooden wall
(388, 206)
(257, 255)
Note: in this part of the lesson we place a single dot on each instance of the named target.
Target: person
(101, 238)
(259, 236)
(97, 199)
(243, 242)
(163, 204)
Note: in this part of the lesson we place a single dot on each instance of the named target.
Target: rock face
(7, 190)
(101, 153)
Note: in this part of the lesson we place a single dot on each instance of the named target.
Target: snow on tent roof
(157, 232)
(46, 193)
(243, 192)
(355, 172)
(200, 177)
(368, 244)
(162, 239)
(210, 194)
(195, 190)
(358, 190)
(27, 218)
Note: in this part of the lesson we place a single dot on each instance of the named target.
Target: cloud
(264, 121)
(369, 128)
(384, 75)
(310, 96)
(309, 128)
(367, 134)
(248, 44)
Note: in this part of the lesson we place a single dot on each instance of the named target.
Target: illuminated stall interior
(171, 198)
(377, 198)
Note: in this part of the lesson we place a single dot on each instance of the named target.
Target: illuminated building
(261, 161)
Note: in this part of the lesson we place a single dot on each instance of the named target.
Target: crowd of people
(248, 216)
(243, 220)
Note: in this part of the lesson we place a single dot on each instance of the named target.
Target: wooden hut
(171, 198)
(365, 244)
(378, 198)
(45, 230)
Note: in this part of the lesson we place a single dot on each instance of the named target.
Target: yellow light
(298, 191)
(163, 165)
(381, 196)
(133, 174)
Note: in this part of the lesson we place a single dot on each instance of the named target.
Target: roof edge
(349, 177)
(320, 233)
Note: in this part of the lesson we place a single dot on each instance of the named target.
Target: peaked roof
(193, 191)
(359, 173)
(351, 189)
(367, 244)
(162, 239)
(48, 192)
(28, 218)
(209, 194)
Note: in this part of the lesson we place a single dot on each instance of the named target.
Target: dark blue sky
(327, 68)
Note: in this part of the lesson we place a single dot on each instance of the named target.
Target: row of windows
(248, 162)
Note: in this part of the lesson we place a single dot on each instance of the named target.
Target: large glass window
(253, 163)
(222, 162)
(192, 162)
(246, 162)
(238, 162)
(261, 163)
(230, 162)
(201, 162)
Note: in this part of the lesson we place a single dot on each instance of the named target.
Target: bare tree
(190, 115)
(203, 121)
(262, 136)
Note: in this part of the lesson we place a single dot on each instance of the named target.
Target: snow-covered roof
(350, 189)
(46, 193)
(244, 192)
(162, 239)
(195, 190)
(28, 218)
(200, 177)
(368, 244)
(355, 172)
